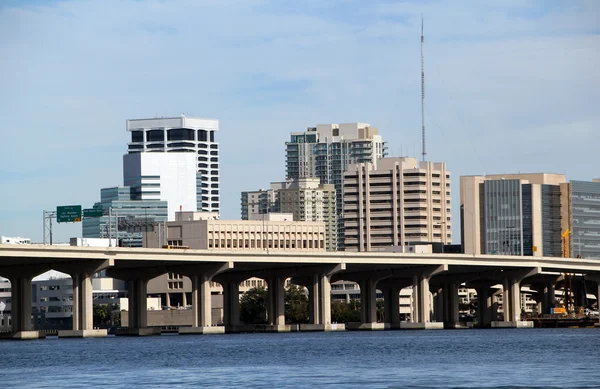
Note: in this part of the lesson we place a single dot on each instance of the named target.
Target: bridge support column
(450, 294)
(231, 303)
(324, 294)
(506, 300)
(424, 302)
(515, 300)
(438, 306)
(83, 309)
(201, 307)
(484, 306)
(368, 301)
(276, 302)
(414, 317)
(22, 327)
(313, 299)
(392, 306)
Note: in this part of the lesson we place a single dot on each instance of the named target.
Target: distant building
(260, 202)
(124, 219)
(398, 202)
(14, 240)
(196, 231)
(183, 135)
(326, 151)
(169, 177)
(511, 214)
(305, 198)
(580, 202)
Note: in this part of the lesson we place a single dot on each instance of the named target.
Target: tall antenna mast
(424, 150)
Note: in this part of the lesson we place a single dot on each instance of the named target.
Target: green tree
(342, 312)
(100, 315)
(380, 311)
(296, 305)
(253, 306)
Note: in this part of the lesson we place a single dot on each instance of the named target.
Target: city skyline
(509, 88)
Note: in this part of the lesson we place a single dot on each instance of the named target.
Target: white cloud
(510, 86)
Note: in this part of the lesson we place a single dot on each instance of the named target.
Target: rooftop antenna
(424, 150)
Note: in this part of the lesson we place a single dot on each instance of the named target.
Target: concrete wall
(173, 317)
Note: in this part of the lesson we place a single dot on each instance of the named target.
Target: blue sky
(512, 86)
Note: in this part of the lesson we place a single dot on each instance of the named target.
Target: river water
(529, 358)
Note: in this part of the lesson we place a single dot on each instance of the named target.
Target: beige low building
(274, 232)
(400, 201)
(511, 214)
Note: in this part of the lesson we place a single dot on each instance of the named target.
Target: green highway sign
(68, 213)
(92, 212)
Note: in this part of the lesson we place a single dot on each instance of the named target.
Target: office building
(398, 202)
(305, 198)
(169, 177)
(183, 135)
(326, 151)
(124, 218)
(511, 214)
(275, 232)
(580, 209)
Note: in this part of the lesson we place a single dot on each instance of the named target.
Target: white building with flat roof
(183, 135)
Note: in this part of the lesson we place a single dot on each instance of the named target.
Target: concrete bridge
(440, 274)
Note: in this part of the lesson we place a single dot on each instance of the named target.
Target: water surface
(507, 358)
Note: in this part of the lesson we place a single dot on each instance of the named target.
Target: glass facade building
(124, 218)
(582, 202)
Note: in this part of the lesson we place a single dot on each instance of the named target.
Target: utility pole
(48, 233)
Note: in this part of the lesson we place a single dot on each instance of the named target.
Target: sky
(511, 86)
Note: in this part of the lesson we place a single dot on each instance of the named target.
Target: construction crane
(568, 278)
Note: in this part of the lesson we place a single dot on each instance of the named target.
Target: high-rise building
(580, 208)
(398, 202)
(183, 135)
(305, 198)
(325, 151)
(511, 214)
(260, 202)
(169, 177)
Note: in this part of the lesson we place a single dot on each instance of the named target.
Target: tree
(296, 305)
(100, 315)
(342, 312)
(253, 306)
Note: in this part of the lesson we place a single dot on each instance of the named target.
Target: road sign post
(68, 213)
(92, 212)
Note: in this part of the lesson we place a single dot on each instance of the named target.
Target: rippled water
(537, 358)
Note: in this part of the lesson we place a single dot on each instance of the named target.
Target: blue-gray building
(581, 215)
(124, 218)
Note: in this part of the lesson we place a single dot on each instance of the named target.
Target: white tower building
(183, 135)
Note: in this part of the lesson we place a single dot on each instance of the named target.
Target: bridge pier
(276, 303)
(450, 305)
(83, 300)
(201, 276)
(137, 295)
(511, 299)
(391, 299)
(317, 279)
(20, 281)
(22, 327)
